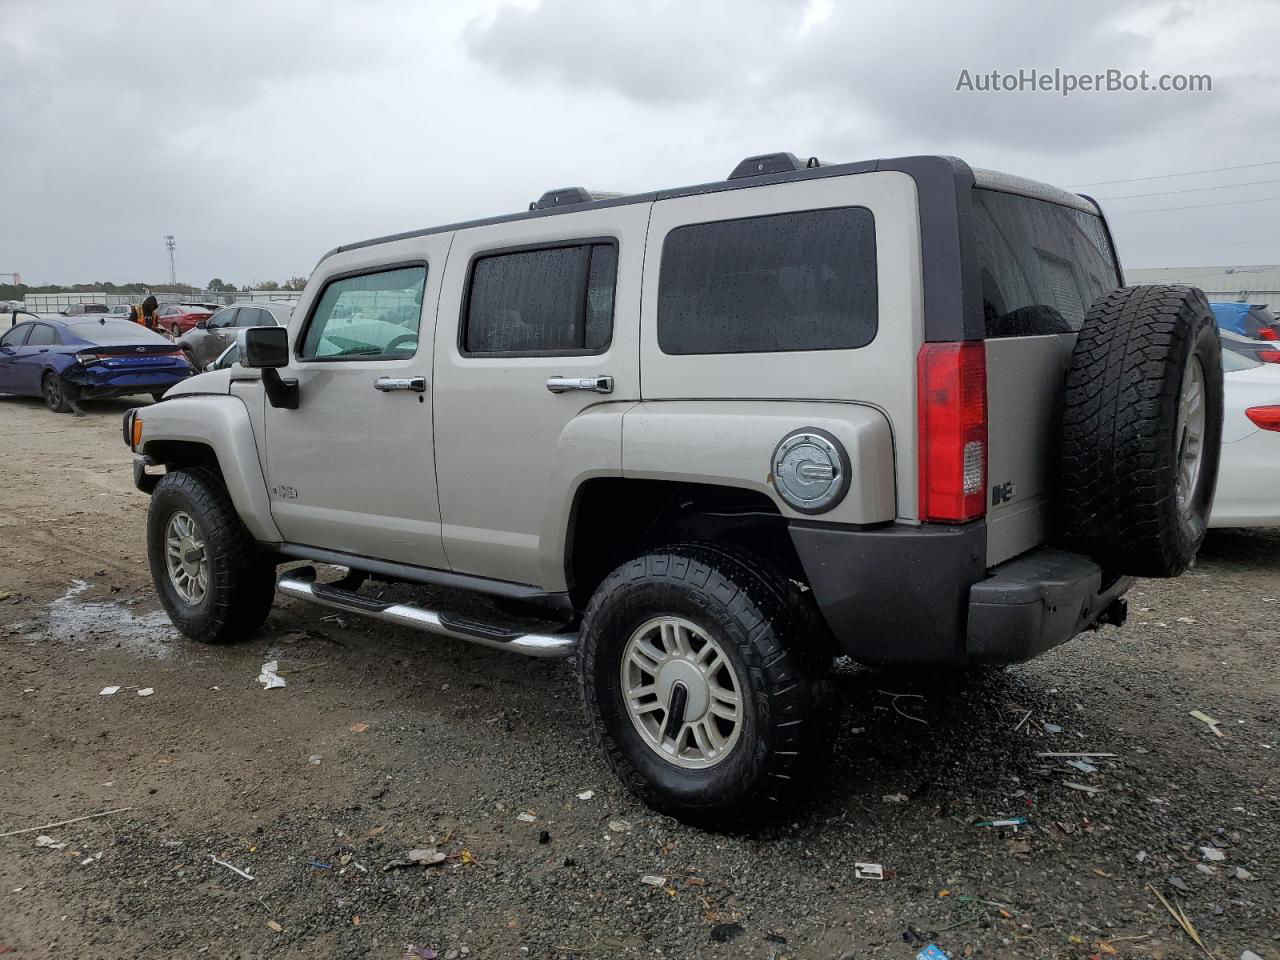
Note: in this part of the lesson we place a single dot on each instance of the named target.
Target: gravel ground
(385, 741)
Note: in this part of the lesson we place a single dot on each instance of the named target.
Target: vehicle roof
(960, 170)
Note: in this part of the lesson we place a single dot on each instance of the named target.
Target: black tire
(241, 580)
(55, 396)
(190, 358)
(769, 633)
(1121, 445)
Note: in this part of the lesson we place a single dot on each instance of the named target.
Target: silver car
(209, 338)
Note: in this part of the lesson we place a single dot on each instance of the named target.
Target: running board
(302, 584)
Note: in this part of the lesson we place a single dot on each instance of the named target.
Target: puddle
(106, 624)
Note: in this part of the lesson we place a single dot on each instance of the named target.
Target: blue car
(69, 359)
(1250, 320)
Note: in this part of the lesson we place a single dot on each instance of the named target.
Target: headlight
(810, 470)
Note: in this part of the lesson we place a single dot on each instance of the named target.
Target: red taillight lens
(1267, 333)
(1268, 418)
(952, 384)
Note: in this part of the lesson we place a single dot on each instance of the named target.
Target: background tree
(267, 285)
(218, 285)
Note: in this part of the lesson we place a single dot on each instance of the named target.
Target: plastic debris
(868, 871)
(420, 953)
(314, 759)
(359, 727)
(1084, 766)
(223, 863)
(653, 880)
(275, 926)
(44, 840)
(319, 866)
(724, 932)
(416, 858)
(88, 860)
(933, 952)
(1011, 822)
(269, 679)
(895, 798)
(1083, 787)
(1240, 873)
(63, 823)
(1052, 728)
(146, 692)
(526, 818)
(1084, 756)
(586, 794)
(1249, 955)
(1208, 721)
(1212, 853)
(619, 826)
(108, 691)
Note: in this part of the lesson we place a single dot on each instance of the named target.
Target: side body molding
(222, 424)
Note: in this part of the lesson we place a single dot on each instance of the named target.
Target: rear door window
(43, 335)
(778, 283)
(1041, 264)
(555, 300)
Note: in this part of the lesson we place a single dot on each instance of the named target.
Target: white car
(1249, 472)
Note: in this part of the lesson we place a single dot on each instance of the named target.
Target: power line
(1166, 193)
(1189, 173)
(1192, 206)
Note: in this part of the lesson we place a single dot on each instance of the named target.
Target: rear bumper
(921, 594)
(122, 383)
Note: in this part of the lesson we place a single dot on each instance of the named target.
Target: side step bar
(302, 583)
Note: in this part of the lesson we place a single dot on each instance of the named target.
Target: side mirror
(202, 324)
(264, 347)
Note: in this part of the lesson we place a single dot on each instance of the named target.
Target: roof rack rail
(767, 163)
(561, 197)
(568, 195)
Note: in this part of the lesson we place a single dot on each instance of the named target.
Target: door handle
(591, 384)
(387, 384)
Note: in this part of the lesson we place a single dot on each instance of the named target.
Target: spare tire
(1141, 430)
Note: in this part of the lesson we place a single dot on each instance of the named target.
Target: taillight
(1268, 333)
(952, 384)
(87, 358)
(1269, 356)
(1268, 418)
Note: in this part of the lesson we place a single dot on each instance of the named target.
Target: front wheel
(702, 675)
(210, 576)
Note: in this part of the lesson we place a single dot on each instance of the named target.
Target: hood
(215, 381)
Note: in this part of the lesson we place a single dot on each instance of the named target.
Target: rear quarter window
(770, 284)
(1041, 264)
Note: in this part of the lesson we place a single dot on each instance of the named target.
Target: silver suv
(205, 342)
(900, 410)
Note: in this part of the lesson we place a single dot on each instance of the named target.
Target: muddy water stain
(110, 624)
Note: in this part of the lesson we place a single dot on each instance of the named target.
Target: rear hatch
(1042, 257)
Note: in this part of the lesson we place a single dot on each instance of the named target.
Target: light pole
(173, 271)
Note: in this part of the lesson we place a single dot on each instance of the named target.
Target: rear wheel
(1142, 430)
(704, 683)
(210, 576)
(55, 396)
(175, 330)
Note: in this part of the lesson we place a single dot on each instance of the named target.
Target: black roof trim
(904, 164)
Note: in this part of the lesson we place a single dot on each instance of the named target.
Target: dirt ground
(385, 741)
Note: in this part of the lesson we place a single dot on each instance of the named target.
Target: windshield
(1232, 361)
(113, 331)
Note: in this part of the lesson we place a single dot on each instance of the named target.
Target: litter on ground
(868, 871)
(1208, 721)
(269, 679)
(108, 691)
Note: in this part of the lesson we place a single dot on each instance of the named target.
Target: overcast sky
(261, 133)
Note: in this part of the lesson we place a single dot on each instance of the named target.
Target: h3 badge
(1002, 493)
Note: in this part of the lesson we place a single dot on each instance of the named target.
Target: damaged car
(66, 360)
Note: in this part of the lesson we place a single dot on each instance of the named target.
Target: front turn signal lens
(136, 439)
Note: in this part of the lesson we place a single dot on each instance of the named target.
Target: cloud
(262, 134)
